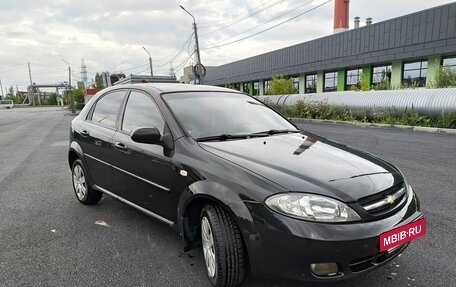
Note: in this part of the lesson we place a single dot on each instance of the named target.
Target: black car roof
(174, 87)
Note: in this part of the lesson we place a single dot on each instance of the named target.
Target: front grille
(385, 201)
(366, 263)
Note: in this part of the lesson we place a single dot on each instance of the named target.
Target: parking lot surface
(47, 238)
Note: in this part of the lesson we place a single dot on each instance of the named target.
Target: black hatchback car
(235, 177)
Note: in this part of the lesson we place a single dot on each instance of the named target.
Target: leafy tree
(99, 81)
(281, 86)
(10, 92)
(78, 95)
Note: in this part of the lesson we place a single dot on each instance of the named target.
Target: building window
(450, 62)
(234, 86)
(296, 82)
(415, 73)
(246, 87)
(353, 80)
(381, 74)
(266, 86)
(330, 82)
(256, 88)
(311, 83)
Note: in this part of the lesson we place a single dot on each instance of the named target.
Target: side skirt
(156, 216)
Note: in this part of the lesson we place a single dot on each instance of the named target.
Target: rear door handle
(121, 146)
(84, 133)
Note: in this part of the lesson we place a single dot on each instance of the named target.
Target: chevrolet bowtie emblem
(390, 199)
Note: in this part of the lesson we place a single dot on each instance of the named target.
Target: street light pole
(30, 92)
(150, 62)
(198, 56)
(73, 109)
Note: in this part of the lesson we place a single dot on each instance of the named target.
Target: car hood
(311, 164)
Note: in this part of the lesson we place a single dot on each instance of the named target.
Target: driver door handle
(120, 146)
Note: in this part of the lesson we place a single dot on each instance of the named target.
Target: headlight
(312, 207)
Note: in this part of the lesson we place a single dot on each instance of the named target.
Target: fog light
(324, 269)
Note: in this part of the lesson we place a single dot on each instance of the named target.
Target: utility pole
(150, 62)
(199, 69)
(30, 91)
(3, 95)
(73, 110)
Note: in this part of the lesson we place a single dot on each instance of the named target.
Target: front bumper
(283, 247)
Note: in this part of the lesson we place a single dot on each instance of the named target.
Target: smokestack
(368, 21)
(341, 11)
(356, 22)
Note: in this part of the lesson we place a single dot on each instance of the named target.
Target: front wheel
(84, 193)
(223, 248)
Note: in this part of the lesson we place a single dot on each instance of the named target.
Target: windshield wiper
(222, 137)
(274, 132)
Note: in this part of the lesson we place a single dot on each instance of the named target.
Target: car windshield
(222, 115)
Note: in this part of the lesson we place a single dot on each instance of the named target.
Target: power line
(135, 68)
(5, 68)
(267, 29)
(143, 71)
(48, 66)
(181, 50)
(130, 69)
(242, 15)
(182, 65)
(177, 50)
(269, 21)
(241, 19)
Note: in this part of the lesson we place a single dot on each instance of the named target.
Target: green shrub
(281, 86)
(446, 121)
(444, 77)
(325, 111)
(78, 95)
(79, 106)
(383, 85)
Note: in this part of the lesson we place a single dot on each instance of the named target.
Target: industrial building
(405, 51)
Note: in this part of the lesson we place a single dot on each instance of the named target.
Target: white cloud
(109, 35)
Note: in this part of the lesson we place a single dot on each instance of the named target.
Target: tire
(223, 248)
(82, 189)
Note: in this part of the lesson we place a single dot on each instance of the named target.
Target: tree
(10, 92)
(281, 86)
(99, 81)
(10, 95)
(78, 95)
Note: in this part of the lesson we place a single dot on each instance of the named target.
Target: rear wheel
(84, 193)
(223, 248)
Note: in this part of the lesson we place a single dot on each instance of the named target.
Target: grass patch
(325, 111)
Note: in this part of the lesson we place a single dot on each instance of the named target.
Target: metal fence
(430, 102)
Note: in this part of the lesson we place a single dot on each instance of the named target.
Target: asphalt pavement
(47, 238)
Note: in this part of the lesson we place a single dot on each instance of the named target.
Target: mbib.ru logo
(402, 234)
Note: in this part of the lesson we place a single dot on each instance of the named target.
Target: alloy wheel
(208, 246)
(79, 182)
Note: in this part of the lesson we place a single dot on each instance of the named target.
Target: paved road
(48, 239)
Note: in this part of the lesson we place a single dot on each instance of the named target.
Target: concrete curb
(364, 125)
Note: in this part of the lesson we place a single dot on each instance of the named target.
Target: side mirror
(146, 135)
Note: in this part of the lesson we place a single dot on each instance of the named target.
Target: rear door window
(107, 108)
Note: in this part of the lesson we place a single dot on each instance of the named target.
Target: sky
(110, 35)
